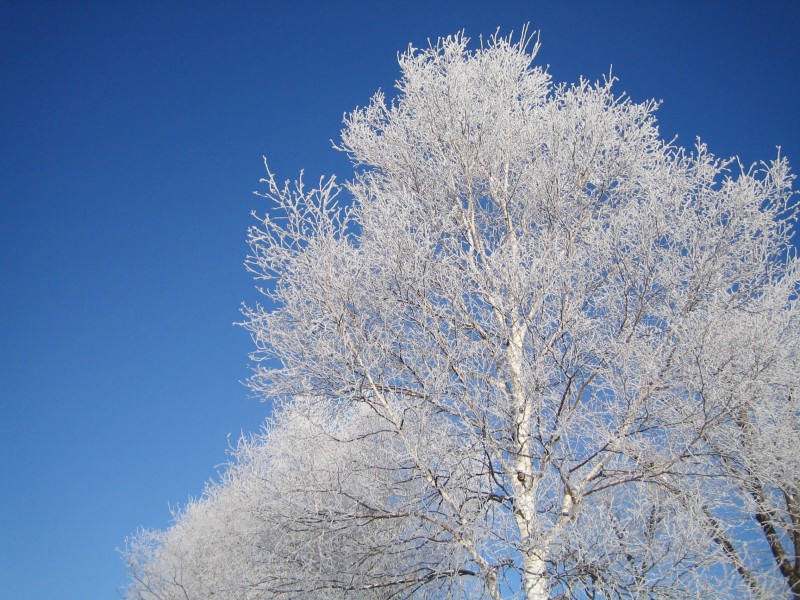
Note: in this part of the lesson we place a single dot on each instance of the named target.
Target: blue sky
(132, 136)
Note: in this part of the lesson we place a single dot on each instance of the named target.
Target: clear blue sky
(132, 136)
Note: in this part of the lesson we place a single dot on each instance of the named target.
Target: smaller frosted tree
(754, 511)
(319, 505)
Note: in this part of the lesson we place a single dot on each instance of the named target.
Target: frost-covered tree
(754, 512)
(318, 505)
(553, 353)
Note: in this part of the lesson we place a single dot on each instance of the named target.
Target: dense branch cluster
(539, 352)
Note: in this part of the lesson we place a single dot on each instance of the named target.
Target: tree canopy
(531, 349)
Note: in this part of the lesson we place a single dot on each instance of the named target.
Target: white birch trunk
(534, 578)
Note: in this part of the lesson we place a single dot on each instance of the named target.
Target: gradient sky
(132, 137)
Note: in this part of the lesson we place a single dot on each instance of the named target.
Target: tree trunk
(534, 579)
